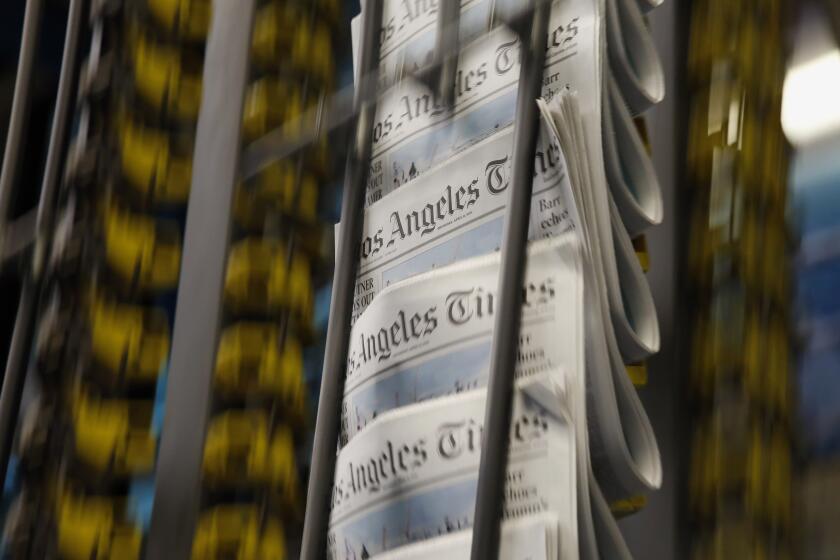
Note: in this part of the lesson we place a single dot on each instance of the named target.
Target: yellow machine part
(240, 451)
(272, 192)
(112, 435)
(237, 532)
(316, 48)
(187, 19)
(271, 31)
(142, 251)
(283, 34)
(162, 77)
(151, 165)
(269, 103)
(88, 529)
(260, 279)
(250, 361)
(130, 341)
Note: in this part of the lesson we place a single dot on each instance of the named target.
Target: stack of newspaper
(425, 297)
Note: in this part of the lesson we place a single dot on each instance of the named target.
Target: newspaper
(431, 367)
(412, 475)
(414, 131)
(531, 538)
(414, 134)
(435, 221)
(633, 182)
(623, 449)
(409, 31)
(633, 58)
(454, 212)
(430, 336)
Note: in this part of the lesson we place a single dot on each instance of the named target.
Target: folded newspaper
(414, 133)
(429, 336)
(624, 452)
(632, 56)
(408, 35)
(593, 177)
(408, 40)
(412, 475)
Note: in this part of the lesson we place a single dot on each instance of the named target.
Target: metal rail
(20, 110)
(491, 474)
(198, 309)
(447, 48)
(23, 232)
(316, 522)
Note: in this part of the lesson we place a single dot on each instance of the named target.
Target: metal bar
(316, 523)
(491, 474)
(447, 48)
(59, 133)
(198, 309)
(19, 235)
(15, 374)
(20, 108)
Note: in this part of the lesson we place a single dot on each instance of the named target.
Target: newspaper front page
(455, 212)
(409, 32)
(415, 132)
(412, 475)
(430, 336)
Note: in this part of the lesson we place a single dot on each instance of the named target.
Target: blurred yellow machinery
(262, 278)
(252, 361)
(143, 252)
(238, 532)
(243, 450)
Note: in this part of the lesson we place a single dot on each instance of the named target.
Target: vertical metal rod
(21, 345)
(198, 309)
(316, 523)
(15, 375)
(491, 475)
(20, 108)
(446, 48)
(59, 134)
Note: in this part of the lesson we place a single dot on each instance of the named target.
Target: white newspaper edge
(626, 438)
(632, 178)
(642, 80)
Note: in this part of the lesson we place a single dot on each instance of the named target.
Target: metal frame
(198, 309)
(500, 385)
(316, 523)
(32, 228)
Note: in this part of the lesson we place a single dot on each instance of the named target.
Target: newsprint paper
(531, 538)
(408, 34)
(430, 336)
(415, 133)
(412, 475)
